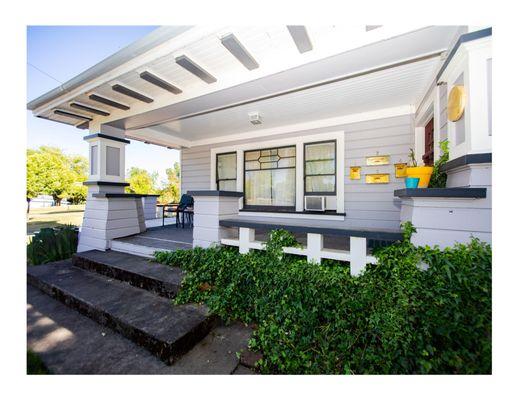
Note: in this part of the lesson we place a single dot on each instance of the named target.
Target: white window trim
(338, 136)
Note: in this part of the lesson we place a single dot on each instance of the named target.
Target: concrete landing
(70, 343)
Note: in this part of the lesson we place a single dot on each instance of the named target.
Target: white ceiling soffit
(416, 45)
(386, 89)
(272, 48)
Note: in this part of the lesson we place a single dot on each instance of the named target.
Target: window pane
(258, 188)
(266, 165)
(287, 162)
(227, 166)
(287, 152)
(283, 184)
(319, 167)
(270, 188)
(252, 155)
(252, 165)
(228, 185)
(325, 183)
(266, 159)
(320, 151)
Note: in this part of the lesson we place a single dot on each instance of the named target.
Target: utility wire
(44, 73)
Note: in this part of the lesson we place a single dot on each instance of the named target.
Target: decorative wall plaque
(456, 103)
(378, 160)
(355, 173)
(400, 170)
(377, 178)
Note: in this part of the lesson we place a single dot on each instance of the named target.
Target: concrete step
(137, 271)
(135, 249)
(71, 343)
(151, 321)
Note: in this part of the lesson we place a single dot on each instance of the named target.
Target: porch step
(149, 320)
(135, 249)
(135, 270)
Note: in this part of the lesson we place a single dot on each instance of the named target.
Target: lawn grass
(35, 365)
(50, 217)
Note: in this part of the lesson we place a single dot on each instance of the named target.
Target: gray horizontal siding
(372, 206)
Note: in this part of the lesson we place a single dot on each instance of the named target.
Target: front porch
(313, 142)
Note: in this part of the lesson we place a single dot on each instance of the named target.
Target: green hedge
(420, 310)
(52, 244)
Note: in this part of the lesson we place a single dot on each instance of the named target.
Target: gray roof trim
(467, 37)
(104, 136)
(153, 39)
(220, 193)
(466, 193)
(480, 158)
(118, 195)
(104, 183)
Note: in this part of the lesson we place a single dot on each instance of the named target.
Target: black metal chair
(185, 209)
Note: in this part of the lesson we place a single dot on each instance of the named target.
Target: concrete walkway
(70, 343)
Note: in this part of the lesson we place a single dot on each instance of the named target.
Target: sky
(56, 54)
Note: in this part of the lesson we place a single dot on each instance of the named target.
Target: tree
(171, 189)
(141, 181)
(51, 172)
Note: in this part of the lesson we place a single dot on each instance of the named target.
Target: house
(302, 128)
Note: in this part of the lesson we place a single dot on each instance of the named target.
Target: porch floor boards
(159, 238)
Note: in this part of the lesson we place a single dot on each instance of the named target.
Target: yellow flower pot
(424, 173)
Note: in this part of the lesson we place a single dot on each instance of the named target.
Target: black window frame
(217, 180)
(254, 207)
(305, 175)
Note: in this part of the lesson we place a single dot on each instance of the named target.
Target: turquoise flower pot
(412, 183)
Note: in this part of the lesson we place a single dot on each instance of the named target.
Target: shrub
(35, 365)
(52, 244)
(420, 310)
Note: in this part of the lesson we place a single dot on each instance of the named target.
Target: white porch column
(471, 67)
(210, 206)
(358, 253)
(109, 212)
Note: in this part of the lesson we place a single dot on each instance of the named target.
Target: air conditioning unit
(315, 203)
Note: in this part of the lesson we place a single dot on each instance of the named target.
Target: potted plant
(414, 171)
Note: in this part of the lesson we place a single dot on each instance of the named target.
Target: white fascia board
(173, 45)
(159, 138)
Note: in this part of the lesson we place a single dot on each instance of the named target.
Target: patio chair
(184, 210)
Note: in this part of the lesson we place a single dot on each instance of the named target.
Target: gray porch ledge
(464, 193)
(102, 135)
(105, 183)
(118, 195)
(222, 193)
(300, 225)
(482, 158)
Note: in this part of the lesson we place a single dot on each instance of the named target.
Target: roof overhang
(334, 66)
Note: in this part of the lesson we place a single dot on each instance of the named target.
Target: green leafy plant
(395, 318)
(439, 178)
(412, 160)
(35, 365)
(52, 244)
